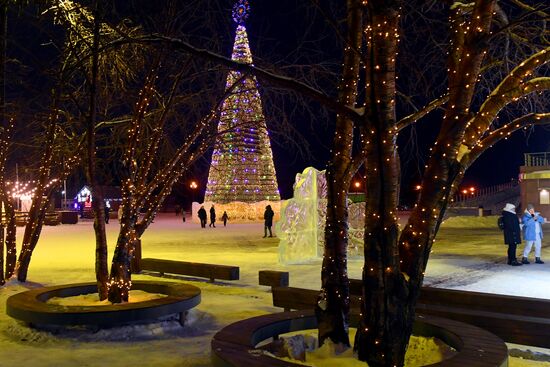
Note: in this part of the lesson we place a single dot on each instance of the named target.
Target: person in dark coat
(225, 217)
(202, 216)
(511, 232)
(212, 217)
(268, 220)
(107, 211)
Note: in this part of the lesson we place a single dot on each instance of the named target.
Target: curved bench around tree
(235, 345)
(31, 307)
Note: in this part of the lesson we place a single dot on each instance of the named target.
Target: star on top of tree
(241, 9)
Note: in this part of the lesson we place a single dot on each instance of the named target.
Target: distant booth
(21, 195)
(535, 182)
(83, 200)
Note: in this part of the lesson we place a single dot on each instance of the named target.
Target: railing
(21, 218)
(484, 192)
(537, 159)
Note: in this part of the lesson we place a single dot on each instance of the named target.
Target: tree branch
(479, 124)
(407, 120)
(512, 87)
(496, 135)
(279, 80)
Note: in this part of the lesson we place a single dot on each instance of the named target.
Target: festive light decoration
(242, 162)
(241, 11)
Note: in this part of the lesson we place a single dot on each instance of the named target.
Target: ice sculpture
(302, 224)
(356, 228)
(301, 229)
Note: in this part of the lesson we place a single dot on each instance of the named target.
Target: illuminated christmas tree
(242, 162)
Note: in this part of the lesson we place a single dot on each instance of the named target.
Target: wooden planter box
(69, 217)
(31, 307)
(234, 345)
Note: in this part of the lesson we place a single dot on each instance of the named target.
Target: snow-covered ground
(468, 254)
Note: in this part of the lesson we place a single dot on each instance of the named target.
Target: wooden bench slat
(273, 278)
(211, 271)
(514, 305)
(512, 328)
(529, 325)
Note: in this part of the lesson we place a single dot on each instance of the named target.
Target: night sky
(284, 32)
(270, 21)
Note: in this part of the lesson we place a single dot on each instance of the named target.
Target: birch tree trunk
(2, 280)
(383, 333)
(332, 308)
(3, 35)
(393, 274)
(10, 238)
(120, 277)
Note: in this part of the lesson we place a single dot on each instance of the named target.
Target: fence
(537, 159)
(484, 192)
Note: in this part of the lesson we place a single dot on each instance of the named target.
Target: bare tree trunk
(98, 205)
(29, 235)
(39, 204)
(383, 333)
(397, 284)
(120, 278)
(2, 279)
(42, 198)
(10, 239)
(135, 253)
(332, 308)
(3, 35)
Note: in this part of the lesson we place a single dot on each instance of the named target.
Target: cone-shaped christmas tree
(242, 162)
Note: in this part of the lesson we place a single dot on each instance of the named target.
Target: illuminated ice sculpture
(301, 228)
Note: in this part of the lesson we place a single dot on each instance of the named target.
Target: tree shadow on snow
(197, 324)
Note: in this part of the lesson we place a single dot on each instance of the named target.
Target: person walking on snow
(511, 232)
(202, 216)
(532, 233)
(268, 220)
(212, 217)
(225, 217)
(107, 211)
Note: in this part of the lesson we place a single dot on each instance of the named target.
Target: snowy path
(464, 259)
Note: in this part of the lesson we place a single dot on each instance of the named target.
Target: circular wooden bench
(31, 307)
(235, 345)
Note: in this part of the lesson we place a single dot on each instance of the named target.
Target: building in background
(84, 197)
(535, 182)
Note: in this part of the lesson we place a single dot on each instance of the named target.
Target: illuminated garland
(242, 162)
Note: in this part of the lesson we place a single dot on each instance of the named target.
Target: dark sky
(284, 31)
(274, 21)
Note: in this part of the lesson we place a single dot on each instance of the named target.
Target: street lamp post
(64, 195)
(418, 189)
(193, 186)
